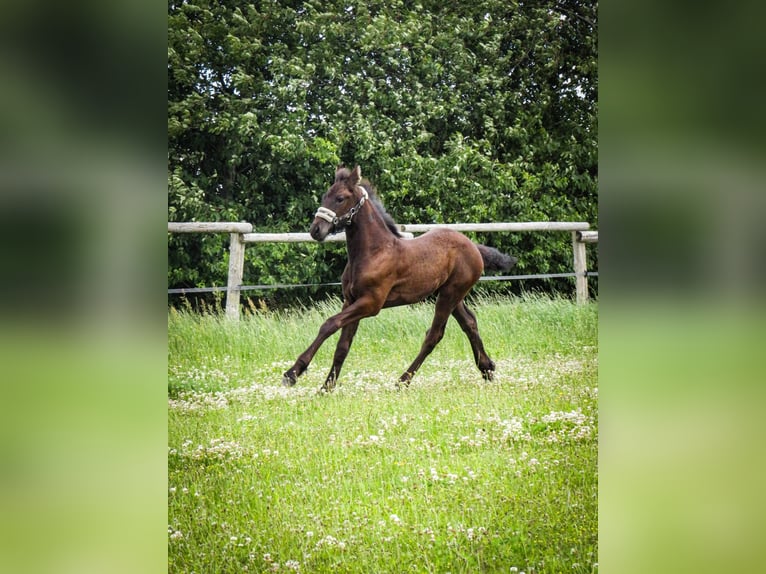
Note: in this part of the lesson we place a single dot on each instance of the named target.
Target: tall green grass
(453, 474)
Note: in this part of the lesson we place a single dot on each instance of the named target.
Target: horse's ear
(339, 171)
(356, 175)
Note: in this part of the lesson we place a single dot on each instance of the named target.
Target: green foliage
(458, 112)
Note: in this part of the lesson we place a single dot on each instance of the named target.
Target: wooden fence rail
(241, 234)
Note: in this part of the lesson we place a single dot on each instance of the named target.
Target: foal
(386, 270)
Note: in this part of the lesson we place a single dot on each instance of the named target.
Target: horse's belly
(397, 300)
(413, 291)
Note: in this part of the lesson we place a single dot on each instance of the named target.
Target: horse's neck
(367, 233)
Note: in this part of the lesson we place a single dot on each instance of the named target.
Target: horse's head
(339, 205)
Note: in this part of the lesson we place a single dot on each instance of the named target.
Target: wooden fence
(242, 233)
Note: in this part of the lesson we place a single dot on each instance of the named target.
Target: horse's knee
(329, 327)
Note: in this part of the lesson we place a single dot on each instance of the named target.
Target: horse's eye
(340, 200)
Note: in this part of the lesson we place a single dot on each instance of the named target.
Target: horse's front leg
(341, 352)
(359, 309)
(343, 346)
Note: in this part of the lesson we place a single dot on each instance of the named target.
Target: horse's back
(450, 250)
(443, 238)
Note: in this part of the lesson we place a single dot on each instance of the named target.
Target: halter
(339, 223)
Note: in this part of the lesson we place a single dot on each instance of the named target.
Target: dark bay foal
(386, 270)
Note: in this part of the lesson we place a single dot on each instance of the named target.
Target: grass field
(453, 474)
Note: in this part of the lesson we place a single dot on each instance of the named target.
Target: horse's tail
(494, 260)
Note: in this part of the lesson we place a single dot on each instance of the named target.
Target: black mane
(387, 219)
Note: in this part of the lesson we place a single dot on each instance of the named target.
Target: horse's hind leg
(468, 323)
(341, 352)
(444, 307)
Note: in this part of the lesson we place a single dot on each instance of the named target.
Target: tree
(462, 111)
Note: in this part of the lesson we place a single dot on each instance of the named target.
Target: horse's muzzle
(320, 229)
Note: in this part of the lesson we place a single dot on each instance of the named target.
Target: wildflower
(395, 519)
(176, 535)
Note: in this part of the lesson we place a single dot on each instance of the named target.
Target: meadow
(452, 474)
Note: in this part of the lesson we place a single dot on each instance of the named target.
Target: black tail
(494, 260)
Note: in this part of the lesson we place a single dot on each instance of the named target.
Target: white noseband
(327, 214)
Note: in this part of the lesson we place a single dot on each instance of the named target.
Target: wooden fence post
(580, 269)
(236, 270)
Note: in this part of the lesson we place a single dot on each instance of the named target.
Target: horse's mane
(345, 173)
(387, 219)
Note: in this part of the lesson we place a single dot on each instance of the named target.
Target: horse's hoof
(488, 375)
(329, 385)
(288, 380)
